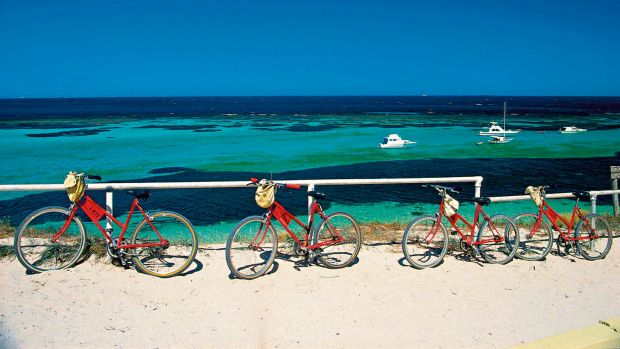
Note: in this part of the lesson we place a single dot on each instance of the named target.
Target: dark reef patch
(195, 128)
(163, 170)
(71, 133)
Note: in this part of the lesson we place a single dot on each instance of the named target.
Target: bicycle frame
(284, 217)
(472, 226)
(95, 213)
(553, 217)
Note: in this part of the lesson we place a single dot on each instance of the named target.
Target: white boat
(394, 141)
(499, 139)
(496, 129)
(572, 129)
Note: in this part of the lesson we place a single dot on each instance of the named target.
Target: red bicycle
(163, 244)
(425, 241)
(253, 244)
(590, 234)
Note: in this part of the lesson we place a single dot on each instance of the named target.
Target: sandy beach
(377, 302)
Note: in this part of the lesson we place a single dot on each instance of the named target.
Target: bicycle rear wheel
(500, 238)
(33, 240)
(164, 261)
(425, 242)
(251, 248)
(595, 248)
(342, 254)
(534, 245)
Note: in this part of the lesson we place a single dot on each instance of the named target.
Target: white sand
(375, 303)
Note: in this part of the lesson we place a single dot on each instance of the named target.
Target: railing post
(313, 236)
(615, 175)
(310, 201)
(593, 203)
(478, 187)
(614, 186)
(109, 206)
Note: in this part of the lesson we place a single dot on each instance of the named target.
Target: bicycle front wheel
(33, 240)
(425, 242)
(251, 248)
(164, 261)
(342, 254)
(596, 232)
(498, 238)
(535, 237)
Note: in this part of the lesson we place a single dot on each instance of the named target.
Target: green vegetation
(6, 234)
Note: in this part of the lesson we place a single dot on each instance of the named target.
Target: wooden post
(615, 174)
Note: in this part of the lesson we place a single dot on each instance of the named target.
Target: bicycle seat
(481, 201)
(317, 195)
(582, 195)
(140, 196)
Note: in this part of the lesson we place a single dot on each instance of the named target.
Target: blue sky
(262, 47)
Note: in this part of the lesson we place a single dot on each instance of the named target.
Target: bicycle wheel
(33, 240)
(499, 239)
(593, 248)
(251, 248)
(344, 253)
(425, 242)
(164, 261)
(534, 245)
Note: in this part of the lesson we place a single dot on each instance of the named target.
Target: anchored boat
(394, 141)
(572, 129)
(496, 129)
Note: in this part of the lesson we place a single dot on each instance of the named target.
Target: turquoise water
(125, 150)
(131, 149)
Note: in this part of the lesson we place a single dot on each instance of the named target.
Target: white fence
(309, 183)
(594, 194)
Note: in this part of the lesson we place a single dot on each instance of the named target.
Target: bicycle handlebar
(441, 187)
(255, 181)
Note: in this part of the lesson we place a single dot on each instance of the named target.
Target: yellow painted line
(605, 334)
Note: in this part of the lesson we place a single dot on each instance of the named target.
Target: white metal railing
(309, 183)
(593, 196)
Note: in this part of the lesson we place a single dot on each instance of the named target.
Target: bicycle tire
(245, 261)
(166, 261)
(538, 246)
(329, 256)
(414, 239)
(586, 247)
(33, 238)
(500, 252)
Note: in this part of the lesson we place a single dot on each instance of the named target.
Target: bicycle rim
(33, 240)
(165, 261)
(425, 242)
(339, 255)
(534, 244)
(251, 248)
(502, 238)
(598, 247)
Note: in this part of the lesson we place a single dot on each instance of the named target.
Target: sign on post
(615, 172)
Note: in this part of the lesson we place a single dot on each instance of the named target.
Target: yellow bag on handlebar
(536, 194)
(74, 184)
(450, 205)
(265, 193)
